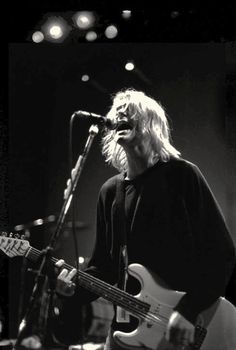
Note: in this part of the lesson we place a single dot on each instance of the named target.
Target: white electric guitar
(215, 328)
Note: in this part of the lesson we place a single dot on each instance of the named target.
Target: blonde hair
(153, 121)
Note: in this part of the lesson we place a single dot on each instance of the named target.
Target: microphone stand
(22, 280)
(46, 253)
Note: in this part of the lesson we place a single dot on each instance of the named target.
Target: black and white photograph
(118, 178)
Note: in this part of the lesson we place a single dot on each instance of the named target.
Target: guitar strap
(123, 253)
(121, 222)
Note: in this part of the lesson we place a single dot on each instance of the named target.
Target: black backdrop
(195, 84)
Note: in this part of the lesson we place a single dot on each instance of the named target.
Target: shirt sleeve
(214, 251)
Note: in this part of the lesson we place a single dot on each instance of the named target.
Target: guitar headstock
(12, 245)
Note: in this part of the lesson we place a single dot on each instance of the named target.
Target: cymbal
(38, 222)
(51, 219)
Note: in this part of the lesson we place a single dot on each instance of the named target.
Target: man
(171, 222)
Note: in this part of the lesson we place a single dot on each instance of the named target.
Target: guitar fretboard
(111, 293)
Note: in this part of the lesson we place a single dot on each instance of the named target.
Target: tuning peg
(10, 234)
(16, 235)
(22, 236)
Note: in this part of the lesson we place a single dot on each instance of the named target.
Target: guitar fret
(129, 306)
(114, 296)
(135, 306)
(101, 288)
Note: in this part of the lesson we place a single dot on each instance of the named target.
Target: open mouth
(123, 125)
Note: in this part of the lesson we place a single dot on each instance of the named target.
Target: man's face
(129, 131)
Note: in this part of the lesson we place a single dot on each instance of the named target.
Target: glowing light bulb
(111, 31)
(56, 32)
(91, 36)
(81, 260)
(126, 14)
(85, 77)
(84, 19)
(37, 37)
(129, 66)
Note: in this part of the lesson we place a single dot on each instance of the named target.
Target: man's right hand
(64, 285)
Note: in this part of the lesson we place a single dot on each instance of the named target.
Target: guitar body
(219, 319)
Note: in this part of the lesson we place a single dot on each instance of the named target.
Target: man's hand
(64, 284)
(180, 332)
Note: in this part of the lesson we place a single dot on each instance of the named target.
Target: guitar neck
(100, 288)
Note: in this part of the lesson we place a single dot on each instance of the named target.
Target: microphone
(96, 119)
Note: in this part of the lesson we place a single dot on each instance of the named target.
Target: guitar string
(84, 275)
(101, 285)
(118, 295)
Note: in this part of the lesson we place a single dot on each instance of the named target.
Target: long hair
(152, 118)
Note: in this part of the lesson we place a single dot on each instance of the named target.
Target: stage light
(38, 222)
(174, 14)
(19, 227)
(129, 66)
(126, 14)
(84, 19)
(37, 36)
(55, 29)
(111, 31)
(85, 77)
(91, 36)
(56, 32)
(51, 218)
(81, 260)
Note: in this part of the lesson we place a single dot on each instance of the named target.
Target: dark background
(188, 65)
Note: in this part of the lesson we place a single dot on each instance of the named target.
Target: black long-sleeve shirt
(175, 228)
